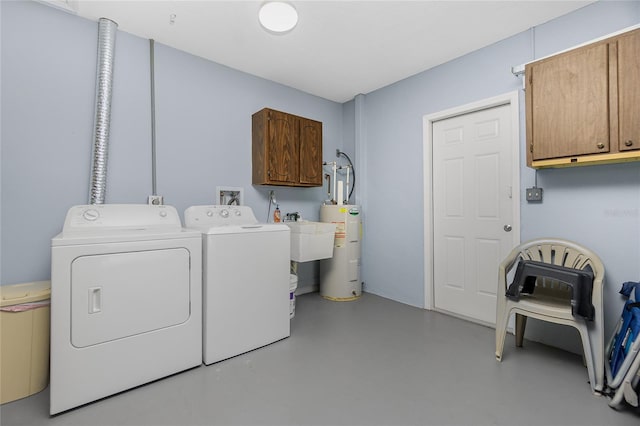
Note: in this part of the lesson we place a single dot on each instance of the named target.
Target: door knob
(600, 145)
(507, 228)
(628, 143)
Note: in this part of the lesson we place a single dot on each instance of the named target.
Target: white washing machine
(126, 301)
(245, 280)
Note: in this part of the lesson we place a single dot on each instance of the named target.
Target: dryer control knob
(163, 214)
(209, 213)
(238, 213)
(91, 214)
(224, 213)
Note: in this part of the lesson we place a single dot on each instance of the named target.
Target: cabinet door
(567, 104)
(310, 152)
(282, 148)
(629, 91)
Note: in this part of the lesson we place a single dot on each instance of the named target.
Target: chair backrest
(561, 253)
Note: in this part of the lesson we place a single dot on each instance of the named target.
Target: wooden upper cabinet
(628, 47)
(582, 106)
(568, 104)
(282, 148)
(286, 149)
(310, 152)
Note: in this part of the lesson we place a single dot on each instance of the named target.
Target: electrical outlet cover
(534, 194)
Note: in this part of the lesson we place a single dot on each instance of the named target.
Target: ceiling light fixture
(278, 17)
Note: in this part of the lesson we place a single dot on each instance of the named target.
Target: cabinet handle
(600, 145)
(628, 143)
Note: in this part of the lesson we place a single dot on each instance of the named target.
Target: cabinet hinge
(530, 80)
(531, 147)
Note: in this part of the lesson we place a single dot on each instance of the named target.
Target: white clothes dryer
(245, 280)
(126, 301)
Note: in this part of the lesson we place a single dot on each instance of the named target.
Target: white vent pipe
(104, 82)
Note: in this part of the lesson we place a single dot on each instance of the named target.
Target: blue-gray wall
(203, 123)
(597, 206)
(203, 135)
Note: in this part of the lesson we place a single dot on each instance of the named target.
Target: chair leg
(501, 331)
(521, 323)
(597, 341)
(589, 358)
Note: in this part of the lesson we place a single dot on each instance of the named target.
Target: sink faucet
(292, 217)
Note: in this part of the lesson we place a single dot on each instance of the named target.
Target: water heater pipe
(348, 170)
(104, 82)
(334, 167)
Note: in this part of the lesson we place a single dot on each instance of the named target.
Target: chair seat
(547, 305)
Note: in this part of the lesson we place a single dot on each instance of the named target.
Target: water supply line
(327, 177)
(334, 169)
(104, 82)
(348, 173)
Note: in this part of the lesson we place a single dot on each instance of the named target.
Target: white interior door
(472, 192)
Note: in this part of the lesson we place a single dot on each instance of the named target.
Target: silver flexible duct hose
(104, 82)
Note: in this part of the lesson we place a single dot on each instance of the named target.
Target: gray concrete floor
(368, 362)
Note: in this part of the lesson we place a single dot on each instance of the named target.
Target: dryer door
(114, 296)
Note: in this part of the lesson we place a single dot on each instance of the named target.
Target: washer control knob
(238, 213)
(163, 214)
(209, 213)
(91, 214)
(224, 213)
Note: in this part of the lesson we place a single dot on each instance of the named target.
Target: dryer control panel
(218, 215)
(97, 217)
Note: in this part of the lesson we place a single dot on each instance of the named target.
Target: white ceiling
(339, 48)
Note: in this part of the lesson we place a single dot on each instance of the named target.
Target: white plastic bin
(24, 346)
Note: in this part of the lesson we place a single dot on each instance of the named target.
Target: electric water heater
(340, 275)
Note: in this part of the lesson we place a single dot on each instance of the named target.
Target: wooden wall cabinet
(583, 106)
(286, 149)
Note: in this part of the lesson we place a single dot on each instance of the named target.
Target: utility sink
(311, 240)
